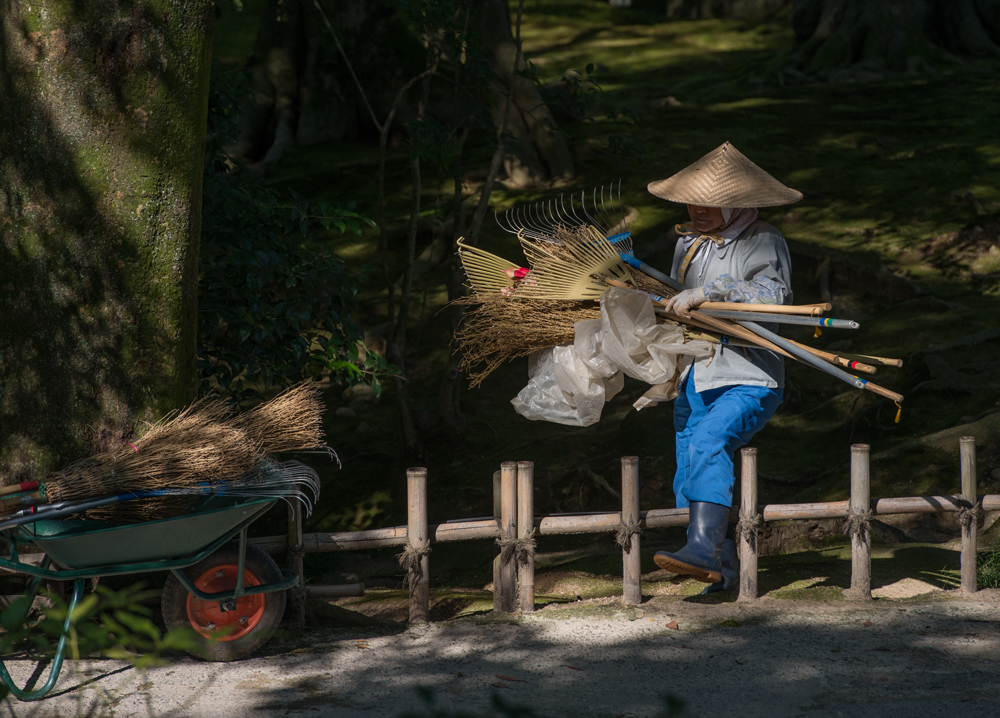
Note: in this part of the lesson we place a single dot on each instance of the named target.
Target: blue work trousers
(711, 425)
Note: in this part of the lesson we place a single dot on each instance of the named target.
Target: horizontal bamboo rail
(515, 529)
(607, 521)
(336, 591)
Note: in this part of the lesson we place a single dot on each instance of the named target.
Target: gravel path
(774, 658)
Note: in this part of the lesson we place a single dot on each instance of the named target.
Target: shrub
(275, 306)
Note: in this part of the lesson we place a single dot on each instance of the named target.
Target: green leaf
(139, 624)
(84, 607)
(12, 617)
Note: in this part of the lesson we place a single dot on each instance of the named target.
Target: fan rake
(540, 222)
(576, 258)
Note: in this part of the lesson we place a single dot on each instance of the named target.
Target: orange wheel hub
(208, 619)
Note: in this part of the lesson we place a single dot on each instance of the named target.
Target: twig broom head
(202, 444)
(291, 421)
(195, 445)
(497, 328)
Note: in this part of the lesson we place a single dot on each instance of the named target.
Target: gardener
(725, 254)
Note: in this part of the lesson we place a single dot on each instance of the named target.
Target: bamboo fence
(516, 529)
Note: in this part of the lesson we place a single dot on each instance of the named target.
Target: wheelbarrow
(229, 592)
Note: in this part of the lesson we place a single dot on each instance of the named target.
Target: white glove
(683, 302)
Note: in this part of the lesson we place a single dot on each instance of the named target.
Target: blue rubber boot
(730, 569)
(701, 556)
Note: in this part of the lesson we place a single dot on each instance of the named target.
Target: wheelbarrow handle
(57, 660)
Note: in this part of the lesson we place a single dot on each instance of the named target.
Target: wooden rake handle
(809, 311)
(882, 391)
(670, 282)
(18, 488)
(884, 361)
(836, 359)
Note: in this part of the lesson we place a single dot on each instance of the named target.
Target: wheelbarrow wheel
(226, 635)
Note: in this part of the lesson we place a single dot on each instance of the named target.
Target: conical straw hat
(724, 178)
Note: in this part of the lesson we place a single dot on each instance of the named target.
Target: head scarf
(738, 220)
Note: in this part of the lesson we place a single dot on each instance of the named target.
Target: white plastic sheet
(570, 384)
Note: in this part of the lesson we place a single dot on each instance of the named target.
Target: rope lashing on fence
(521, 550)
(747, 527)
(624, 534)
(859, 523)
(968, 515)
(409, 561)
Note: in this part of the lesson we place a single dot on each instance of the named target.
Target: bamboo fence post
(525, 536)
(418, 547)
(505, 590)
(629, 533)
(294, 559)
(497, 495)
(858, 524)
(968, 516)
(497, 503)
(747, 527)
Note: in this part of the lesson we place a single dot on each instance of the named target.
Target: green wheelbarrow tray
(82, 544)
(90, 549)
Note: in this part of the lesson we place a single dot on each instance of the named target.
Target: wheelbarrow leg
(57, 660)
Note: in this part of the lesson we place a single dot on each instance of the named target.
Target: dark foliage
(274, 308)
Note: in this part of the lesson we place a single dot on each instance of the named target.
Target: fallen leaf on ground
(510, 678)
(867, 623)
(731, 623)
(673, 625)
(498, 684)
(573, 667)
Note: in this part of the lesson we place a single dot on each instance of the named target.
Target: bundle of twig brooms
(573, 260)
(202, 450)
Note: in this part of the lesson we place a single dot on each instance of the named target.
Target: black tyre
(226, 635)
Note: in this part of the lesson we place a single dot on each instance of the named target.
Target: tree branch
(350, 68)
(487, 188)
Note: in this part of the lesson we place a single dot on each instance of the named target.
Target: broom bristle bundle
(291, 421)
(203, 445)
(496, 329)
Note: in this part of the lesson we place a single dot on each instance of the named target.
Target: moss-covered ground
(901, 177)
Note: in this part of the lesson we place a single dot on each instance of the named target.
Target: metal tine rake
(539, 221)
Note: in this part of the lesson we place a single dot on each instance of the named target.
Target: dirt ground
(936, 653)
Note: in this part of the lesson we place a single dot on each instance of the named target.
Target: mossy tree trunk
(892, 35)
(543, 154)
(101, 151)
